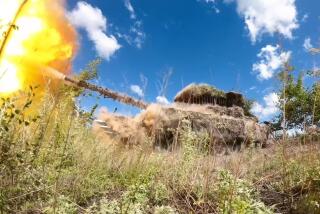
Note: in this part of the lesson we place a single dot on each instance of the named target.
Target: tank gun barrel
(107, 93)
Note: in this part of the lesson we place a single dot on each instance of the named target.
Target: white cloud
(307, 44)
(136, 35)
(137, 90)
(91, 19)
(130, 8)
(213, 4)
(271, 60)
(140, 36)
(162, 100)
(268, 109)
(268, 16)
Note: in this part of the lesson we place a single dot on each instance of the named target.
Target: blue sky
(201, 41)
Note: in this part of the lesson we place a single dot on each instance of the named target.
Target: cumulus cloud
(85, 16)
(162, 100)
(271, 60)
(268, 16)
(137, 90)
(268, 109)
(307, 44)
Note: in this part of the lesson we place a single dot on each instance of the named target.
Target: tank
(203, 109)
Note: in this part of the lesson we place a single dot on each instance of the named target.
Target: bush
(237, 196)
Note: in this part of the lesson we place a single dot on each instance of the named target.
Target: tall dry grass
(51, 162)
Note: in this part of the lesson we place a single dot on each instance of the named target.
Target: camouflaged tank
(222, 117)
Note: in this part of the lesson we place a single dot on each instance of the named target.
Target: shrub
(237, 196)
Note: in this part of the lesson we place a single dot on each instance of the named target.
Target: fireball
(34, 35)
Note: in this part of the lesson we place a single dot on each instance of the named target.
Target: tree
(300, 105)
(315, 96)
(315, 73)
(294, 101)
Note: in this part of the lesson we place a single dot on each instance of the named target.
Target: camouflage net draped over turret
(207, 94)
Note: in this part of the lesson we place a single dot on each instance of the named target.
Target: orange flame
(42, 37)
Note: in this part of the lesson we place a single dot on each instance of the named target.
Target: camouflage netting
(223, 125)
(207, 94)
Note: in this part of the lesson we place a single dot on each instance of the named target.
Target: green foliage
(13, 120)
(138, 198)
(315, 100)
(62, 205)
(301, 104)
(164, 210)
(37, 149)
(91, 71)
(193, 143)
(298, 101)
(248, 104)
(237, 196)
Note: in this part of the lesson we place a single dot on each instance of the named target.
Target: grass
(50, 162)
(194, 90)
